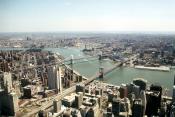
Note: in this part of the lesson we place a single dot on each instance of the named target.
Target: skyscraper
(136, 90)
(153, 103)
(137, 109)
(116, 104)
(143, 98)
(8, 104)
(141, 83)
(56, 106)
(54, 78)
(123, 91)
(78, 101)
(173, 93)
(174, 90)
(157, 88)
(172, 111)
(7, 81)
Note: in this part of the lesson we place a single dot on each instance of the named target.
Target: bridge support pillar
(71, 61)
(101, 73)
(99, 57)
(72, 72)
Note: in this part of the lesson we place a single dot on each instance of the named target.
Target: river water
(119, 75)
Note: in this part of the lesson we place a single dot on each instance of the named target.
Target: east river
(120, 75)
(88, 67)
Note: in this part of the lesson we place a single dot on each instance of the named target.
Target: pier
(161, 68)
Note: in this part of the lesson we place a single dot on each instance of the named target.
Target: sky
(87, 15)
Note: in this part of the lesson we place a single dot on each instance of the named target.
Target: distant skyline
(87, 15)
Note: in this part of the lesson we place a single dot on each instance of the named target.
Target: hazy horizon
(98, 32)
(87, 16)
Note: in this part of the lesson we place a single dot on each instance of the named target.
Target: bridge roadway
(105, 72)
(68, 91)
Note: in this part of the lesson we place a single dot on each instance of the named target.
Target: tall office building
(174, 93)
(78, 101)
(174, 90)
(136, 90)
(27, 92)
(153, 103)
(172, 111)
(7, 81)
(116, 104)
(123, 107)
(99, 101)
(59, 74)
(131, 97)
(174, 79)
(42, 113)
(141, 83)
(123, 91)
(8, 104)
(80, 88)
(5, 67)
(127, 104)
(90, 113)
(56, 106)
(129, 87)
(157, 88)
(143, 98)
(112, 95)
(54, 78)
(137, 109)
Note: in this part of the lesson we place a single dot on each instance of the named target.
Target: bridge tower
(101, 73)
(100, 56)
(71, 63)
(101, 69)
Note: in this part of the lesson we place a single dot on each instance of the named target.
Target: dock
(161, 68)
